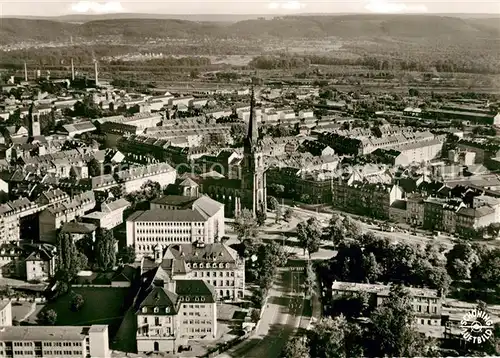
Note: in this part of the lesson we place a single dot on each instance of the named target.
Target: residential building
(54, 341)
(132, 179)
(41, 263)
(217, 264)
(169, 313)
(10, 215)
(52, 218)
(110, 216)
(427, 304)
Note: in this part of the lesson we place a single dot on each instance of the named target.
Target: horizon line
(256, 14)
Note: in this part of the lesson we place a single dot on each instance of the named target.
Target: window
(144, 310)
(156, 310)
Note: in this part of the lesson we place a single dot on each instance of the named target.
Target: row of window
(209, 265)
(172, 239)
(168, 223)
(193, 306)
(196, 321)
(221, 283)
(57, 353)
(165, 231)
(214, 273)
(62, 344)
(198, 330)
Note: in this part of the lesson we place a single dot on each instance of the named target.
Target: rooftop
(187, 215)
(43, 333)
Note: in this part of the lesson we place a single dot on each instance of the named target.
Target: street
(280, 319)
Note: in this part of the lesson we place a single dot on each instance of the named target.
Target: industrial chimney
(72, 71)
(25, 71)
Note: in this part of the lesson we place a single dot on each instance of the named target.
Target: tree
(272, 203)
(296, 347)
(309, 235)
(126, 255)
(371, 268)
(105, 250)
(255, 315)
(116, 191)
(245, 225)
(270, 257)
(288, 214)
(487, 272)
(261, 217)
(335, 338)
(95, 168)
(352, 228)
(310, 282)
(77, 302)
(151, 190)
(70, 260)
(335, 230)
(47, 317)
(86, 246)
(277, 189)
(238, 132)
(460, 261)
(391, 332)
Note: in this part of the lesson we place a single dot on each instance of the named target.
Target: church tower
(253, 176)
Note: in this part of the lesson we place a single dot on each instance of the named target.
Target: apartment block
(52, 218)
(54, 341)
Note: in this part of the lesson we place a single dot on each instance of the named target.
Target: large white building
(217, 264)
(199, 220)
(54, 341)
(169, 313)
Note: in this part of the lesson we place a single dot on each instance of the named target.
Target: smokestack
(96, 73)
(72, 71)
(25, 72)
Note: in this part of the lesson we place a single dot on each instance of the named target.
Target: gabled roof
(161, 298)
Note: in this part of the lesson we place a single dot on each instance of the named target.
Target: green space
(101, 306)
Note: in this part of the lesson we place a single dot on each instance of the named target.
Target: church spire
(253, 130)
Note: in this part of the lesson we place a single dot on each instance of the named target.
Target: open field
(102, 306)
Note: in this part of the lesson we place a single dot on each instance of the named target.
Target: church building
(249, 190)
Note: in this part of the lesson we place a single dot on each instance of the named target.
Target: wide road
(280, 320)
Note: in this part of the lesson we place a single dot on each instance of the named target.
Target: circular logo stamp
(477, 326)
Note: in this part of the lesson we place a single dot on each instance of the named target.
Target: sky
(261, 7)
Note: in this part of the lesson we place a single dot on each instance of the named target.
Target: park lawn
(101, 306)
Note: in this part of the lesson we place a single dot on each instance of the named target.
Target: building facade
(54, 341)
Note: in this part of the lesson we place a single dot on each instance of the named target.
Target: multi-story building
(54, 341)
(169, 312)
(55, 216)
(10, 215)
(41, 263)
(211, 209)
(132, 179)
(110, 216)
(427, 304)
(5, 313)
(415, 210)
(217, 264)
(160, 227)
